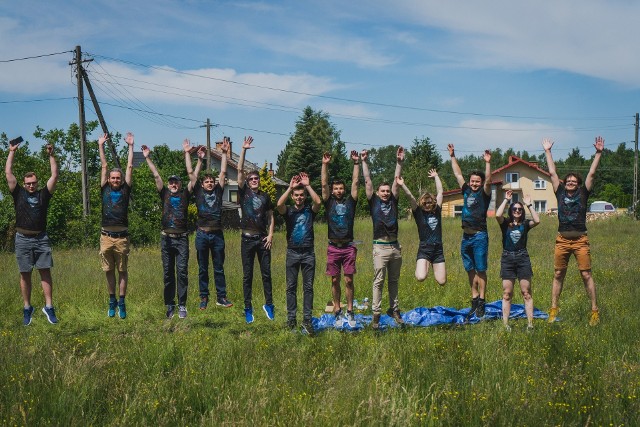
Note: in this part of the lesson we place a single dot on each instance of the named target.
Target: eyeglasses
(31, 183)
(517, 209)
(253, 178)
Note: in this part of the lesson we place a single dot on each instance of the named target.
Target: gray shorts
(33, 251)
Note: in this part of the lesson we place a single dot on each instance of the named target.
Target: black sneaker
(292, 324)
(204, 301)
(480, 309)
(307, 328)
(474, 306)
(224, 302)
(171, 311)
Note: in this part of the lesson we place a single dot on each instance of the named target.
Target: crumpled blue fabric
(424, 316)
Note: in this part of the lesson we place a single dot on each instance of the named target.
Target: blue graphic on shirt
(116, 196)
(339, 217)
(210, 199)
(33, 201)
(474, 209)
(299, 226)
(514, 237)
(299, 230)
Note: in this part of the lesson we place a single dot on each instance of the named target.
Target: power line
(36, 100)
(36, 56)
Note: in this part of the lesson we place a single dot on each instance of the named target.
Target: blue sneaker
(171, 311)
(27, 313)
(269, 311)
(50, 312)
(122, 310)
(112, 308)
(248, 315)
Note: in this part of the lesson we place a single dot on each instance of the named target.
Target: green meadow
(212, 369)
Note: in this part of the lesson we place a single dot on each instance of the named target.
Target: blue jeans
(175, 256)
(213, 243)
(474, 250)
(300, 259)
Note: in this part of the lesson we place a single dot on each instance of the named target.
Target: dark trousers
(300, 259)
(175, 256)
(249, 248)
(211, 243)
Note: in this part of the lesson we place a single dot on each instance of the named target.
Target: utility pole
(209, 126)
(83, 132)
(635, 168)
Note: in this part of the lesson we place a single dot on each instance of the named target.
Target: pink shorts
(338, 258)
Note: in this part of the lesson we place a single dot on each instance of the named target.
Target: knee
(526, 295)
(559, 274)
(421, 276)
(586, 275)
(506, 296)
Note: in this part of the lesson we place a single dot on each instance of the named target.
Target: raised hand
(186, 145)
(599, 144)
(526, 199)
(247, 142)
(451, 149)
(400, 181)
(547, 144)
(145, 151)
(202, 152)
(400, 154)
(226, 143)
(433, 173)
(326, 158)
(487, 156)
(102, 139)
(355, 157)
(50, 149)
(303, 178)
(508, 195)
(129, 138)
(364, 155)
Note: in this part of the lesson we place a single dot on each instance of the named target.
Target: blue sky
(476, 74)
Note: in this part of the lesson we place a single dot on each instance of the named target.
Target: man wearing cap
(114, 239)
(174, 241)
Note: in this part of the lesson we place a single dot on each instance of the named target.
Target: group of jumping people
(33, 249)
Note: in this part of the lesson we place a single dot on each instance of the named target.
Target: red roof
(514, 160)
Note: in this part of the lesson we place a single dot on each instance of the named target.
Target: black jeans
(249, 248)
(175, 256)
(211, 243)
(300, 259)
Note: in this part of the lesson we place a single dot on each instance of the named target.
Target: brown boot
(396, 316)
(375, 324)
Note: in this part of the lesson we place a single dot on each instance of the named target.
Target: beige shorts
(578, 247)
(114, 253)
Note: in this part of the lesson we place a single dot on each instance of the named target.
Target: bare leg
(47, 286)
(124, 278)
(481, 280)
(590, 287)
(440, 273)
(525, 288)
(558, 280)
(507, 294)
(348, 290)
(335, 292)
(422, 269)
(111, 281)
(473, 283)
(25, 288)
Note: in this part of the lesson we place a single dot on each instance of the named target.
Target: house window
(457, 210)
(233, 196)
(539, 184)
(515, 197)
(511, 177)
(540, 206)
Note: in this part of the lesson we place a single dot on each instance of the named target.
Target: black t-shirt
(474, 209)
(209, 204)
(572, 210)
(115, 205)
(31, 208)
(299, 226)
(255, 206)
(514, 237)
(384, 217)
(175, 208)
(429, 225)
(340, 216)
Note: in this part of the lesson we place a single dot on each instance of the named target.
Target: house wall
(525, 185)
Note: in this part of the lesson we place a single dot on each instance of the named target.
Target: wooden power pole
(635, 168)
(83, 132)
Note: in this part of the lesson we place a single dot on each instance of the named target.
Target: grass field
(213, 369)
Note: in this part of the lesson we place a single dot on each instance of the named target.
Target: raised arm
(8, 167)
(535, 219)
(186, 146)
(146, 152)
(281, 206)
(129, 172)
(53, 180)
(457, 172)
(201, 153)
(315, 199)
(103, 159)
(399, 161)
(355, 176)
(555, 181)
(439, 190)
(487, 172)
(223, 160)
(500, 211)
(324, 176)
(412, 200)
(368, 185)
(599, 145)
(245, 146)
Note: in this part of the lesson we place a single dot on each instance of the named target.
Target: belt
(252, 236)
(115, 234)
(340, 244)
(31, 236)
(382, 242)
(174, 235)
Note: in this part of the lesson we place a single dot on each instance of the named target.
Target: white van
(601, 206)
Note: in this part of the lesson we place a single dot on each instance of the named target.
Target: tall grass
(213, 369)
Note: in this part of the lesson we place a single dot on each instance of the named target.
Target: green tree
(266, 183)
(421, 157)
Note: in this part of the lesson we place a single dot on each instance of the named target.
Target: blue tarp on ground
(423, 316)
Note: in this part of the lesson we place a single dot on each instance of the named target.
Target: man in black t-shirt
(572, 236)
(114, 233)
(174, 240)
(340, 211)
(209, 235)
(300, 241)
(257, 216)
(387, 252)
(32, 245)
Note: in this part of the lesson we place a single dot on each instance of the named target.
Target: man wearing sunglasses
(32, 245)
(572, 237)
(257, 215)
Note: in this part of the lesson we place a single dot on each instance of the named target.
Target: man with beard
(32, 245)
(340, 210)
(174, 241)
(114, 238)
